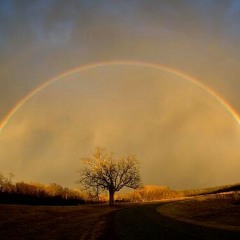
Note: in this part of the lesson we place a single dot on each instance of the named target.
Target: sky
(183, 136)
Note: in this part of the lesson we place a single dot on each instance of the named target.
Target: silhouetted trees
(102, 171)
(6, 184)
(36, 193)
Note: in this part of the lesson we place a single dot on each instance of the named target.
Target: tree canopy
(102, 171)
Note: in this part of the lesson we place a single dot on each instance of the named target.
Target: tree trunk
(111, 197)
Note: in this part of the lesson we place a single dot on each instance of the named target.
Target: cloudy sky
(183, 136)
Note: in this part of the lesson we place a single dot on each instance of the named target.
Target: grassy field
(22, 222)
(218, 210)
(19, 222)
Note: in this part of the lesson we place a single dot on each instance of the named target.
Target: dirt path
(144, 222)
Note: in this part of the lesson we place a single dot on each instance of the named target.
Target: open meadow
(215, 210)
(20, 222)
(95, 221)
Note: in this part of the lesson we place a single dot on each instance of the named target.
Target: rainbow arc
(61, 76)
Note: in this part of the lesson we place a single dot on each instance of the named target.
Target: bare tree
(6, 184)
(103, 171)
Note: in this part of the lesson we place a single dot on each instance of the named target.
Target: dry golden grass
(47, 222)
(217, 211)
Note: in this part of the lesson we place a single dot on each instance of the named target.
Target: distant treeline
(154, 193)
(212, 190)
(37, 194)
(54, 194)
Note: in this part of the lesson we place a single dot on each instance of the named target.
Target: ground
(47, 222)
(20, 222)
(218, 211)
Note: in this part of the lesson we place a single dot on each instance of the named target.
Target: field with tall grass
(221, 210)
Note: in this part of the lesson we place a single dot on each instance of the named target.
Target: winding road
(144, 222)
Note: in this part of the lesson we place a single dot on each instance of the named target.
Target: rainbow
(41, 87)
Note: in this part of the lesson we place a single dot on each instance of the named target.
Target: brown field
(48, 222)
(218, 211)
(22, 222)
